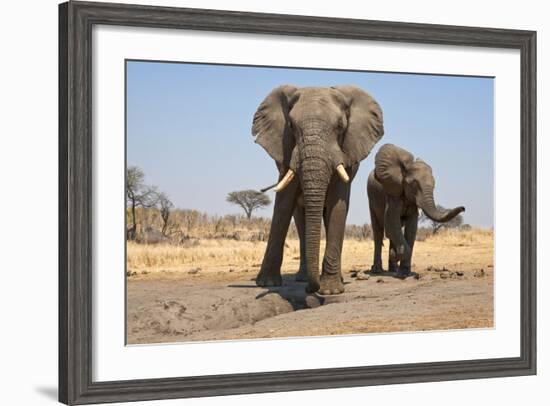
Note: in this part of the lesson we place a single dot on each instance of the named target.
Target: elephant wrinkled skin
(317, 137)
(397, 187)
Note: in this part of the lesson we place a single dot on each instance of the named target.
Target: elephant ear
(391, 166)
(365, 124)
(271, 124)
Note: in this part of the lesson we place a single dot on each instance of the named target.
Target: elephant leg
(377, 223)
(393, 227)
(270, 272)
(300, 222)
(392, 262)
(335, 223)
(411, 225)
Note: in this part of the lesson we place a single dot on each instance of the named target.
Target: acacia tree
(138, 194)
(166, 207)
(435, 226)
(248, 200)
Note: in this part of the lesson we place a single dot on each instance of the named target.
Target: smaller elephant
(397, 187)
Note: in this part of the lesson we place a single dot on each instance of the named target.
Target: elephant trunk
(316, 172)
(428, 206)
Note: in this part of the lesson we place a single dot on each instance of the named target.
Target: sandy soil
(452, 289)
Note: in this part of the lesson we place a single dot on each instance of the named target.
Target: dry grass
(204, 253)
(461, 250)
(450, 248)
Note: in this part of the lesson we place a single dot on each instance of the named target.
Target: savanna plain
(202, 288)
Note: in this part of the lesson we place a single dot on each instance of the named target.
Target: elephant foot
(403, 272)
(266, 279)
(312, 286)
(331, 284)
(392, 267)
(376, 269)
(301, 275)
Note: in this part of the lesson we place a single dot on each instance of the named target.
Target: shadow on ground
(291, 291)
(388, 274)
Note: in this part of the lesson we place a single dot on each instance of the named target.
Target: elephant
(317, 136)
(397, 188)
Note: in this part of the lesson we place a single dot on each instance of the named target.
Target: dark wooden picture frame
(76, 20)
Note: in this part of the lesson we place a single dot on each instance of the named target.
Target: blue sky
(188, 128)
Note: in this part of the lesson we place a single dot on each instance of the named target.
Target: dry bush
(453, 235)
(457, 236)
(192, 224)
(423, 233)
(184, 225)
(363, 232)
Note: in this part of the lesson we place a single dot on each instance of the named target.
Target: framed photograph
(260, 203)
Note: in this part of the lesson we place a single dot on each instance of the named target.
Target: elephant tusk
(342, 173)
(265, 189)
(285, 181)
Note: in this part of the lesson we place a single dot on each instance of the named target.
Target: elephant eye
(412, 182)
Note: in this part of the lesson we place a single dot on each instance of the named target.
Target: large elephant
(397, 187)
(317, 137)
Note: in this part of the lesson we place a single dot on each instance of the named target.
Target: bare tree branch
(166, 207)
(138, 195)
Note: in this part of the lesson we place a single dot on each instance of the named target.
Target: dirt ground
(451, 288)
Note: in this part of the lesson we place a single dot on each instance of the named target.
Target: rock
(362, 277)
(435, 269)
(313, 301)
(231, 270)
(353, 274)
(380, 280)
(480, 273)
(194, 271)
(443, 275)
(416, 276)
